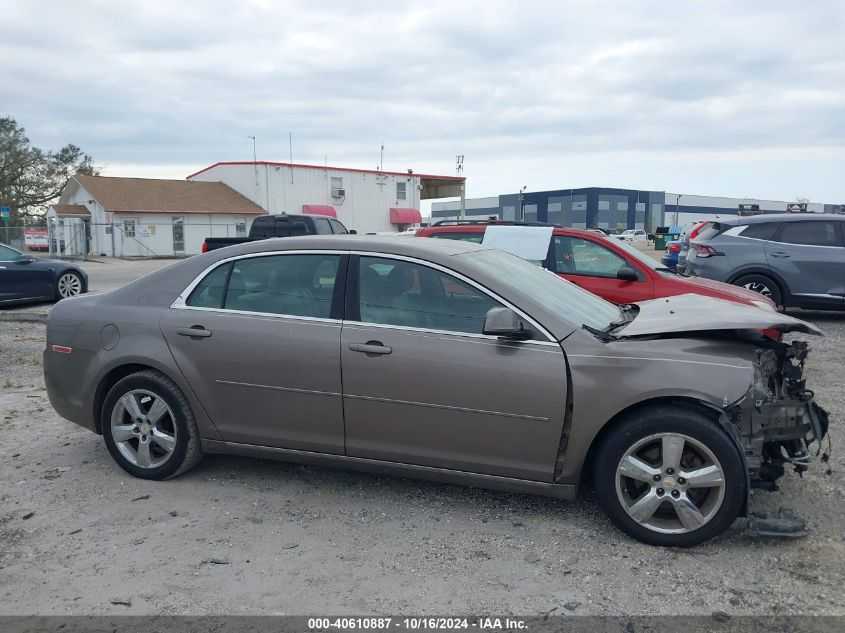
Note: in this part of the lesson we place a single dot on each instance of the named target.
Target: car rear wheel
(762, 284)
(670, 477)
(69, 285)
(149, 428)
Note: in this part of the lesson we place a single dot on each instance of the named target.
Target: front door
(422, 384)
(594, 266)
(256, 341)
(22, 278)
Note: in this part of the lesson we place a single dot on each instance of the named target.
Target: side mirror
(26, 259)
(353, 232)
(504, 323)
(627, 274)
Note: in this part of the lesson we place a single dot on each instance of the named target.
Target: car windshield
(572, 303)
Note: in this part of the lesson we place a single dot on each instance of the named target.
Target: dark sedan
(24, 278)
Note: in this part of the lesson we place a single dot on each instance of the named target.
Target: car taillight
(204, 247)
(704, 251)
(674, 248)
(697, 229)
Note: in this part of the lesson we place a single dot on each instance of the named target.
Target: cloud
(654, 89)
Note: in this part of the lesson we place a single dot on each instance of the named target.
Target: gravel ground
(79, 536)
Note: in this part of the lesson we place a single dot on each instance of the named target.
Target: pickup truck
(282, 225)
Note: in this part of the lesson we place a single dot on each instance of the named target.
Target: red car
(610, 268)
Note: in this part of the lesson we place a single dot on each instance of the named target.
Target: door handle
(371, 347)
(780, 254)
(195, 331)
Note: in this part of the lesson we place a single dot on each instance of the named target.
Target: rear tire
(762, 284)
(149, 428)
(669, 476)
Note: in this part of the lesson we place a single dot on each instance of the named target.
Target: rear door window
(209, 292)
(809, 233)
(322, 226)
(296, 285)
(337, 227)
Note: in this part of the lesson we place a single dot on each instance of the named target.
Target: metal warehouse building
(608, 208)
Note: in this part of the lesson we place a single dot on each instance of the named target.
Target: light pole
(521, 217)
(677, 204)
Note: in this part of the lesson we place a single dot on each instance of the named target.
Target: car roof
(780, 217)
(480, 227)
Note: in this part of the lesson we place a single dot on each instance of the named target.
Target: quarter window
(210, 291)
(809, 233)
(396, 292)
(760, 231)
(576, 256)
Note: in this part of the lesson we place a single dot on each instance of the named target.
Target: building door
(178, 233)
(130, 246)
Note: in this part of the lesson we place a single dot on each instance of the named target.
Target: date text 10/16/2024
(416, 624)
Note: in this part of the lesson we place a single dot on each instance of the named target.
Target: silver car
(797, 260)
(443, 360)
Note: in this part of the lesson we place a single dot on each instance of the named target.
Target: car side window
(576, 256)
(809, 233)
(466, 237)
(296, 285)
(397, 292)
(322, 226)
(209, 292)
(8, 254)
(337, 227)
(760, 231)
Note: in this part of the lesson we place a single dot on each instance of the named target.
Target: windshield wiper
(602, 335)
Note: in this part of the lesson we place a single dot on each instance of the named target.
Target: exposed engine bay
(778, 420)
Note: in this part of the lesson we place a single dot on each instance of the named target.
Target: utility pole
(677, 204)
(254, 164)
(459, 169)
(521, 217)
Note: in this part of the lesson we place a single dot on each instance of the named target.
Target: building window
(400, 190)
(337, 187)
(604, 205)
(129, 228)
(240, 227)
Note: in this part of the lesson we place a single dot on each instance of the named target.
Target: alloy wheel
(756, 286)
(670, 483)
(70, 285)
(143, 428)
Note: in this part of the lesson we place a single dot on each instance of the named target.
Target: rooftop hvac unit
(338, 193)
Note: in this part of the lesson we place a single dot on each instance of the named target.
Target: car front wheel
(149, 428)
(69, 285)
(763, 285)
(670, 476)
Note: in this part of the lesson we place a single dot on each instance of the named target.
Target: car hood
(695, 313)
(722, 287)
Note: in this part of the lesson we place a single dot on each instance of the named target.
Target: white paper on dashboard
(527, 242)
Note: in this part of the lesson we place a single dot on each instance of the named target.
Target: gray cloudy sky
(713, 97)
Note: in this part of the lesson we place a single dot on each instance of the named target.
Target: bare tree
(31, 178)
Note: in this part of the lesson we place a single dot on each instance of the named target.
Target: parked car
(689, 233)
(459, 363)
(25, 279)
(632, 235)
(281, 225)
(614, 270)
(670, 256)
(796, 260)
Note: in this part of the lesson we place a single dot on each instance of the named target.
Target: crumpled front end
(778, 420)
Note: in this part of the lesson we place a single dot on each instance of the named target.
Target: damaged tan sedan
(441, 360)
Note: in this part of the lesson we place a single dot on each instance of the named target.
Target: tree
(31, 178)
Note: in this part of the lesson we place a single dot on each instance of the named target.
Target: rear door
(422, 384)
(809, 256)
(593, 266)
(258, 341)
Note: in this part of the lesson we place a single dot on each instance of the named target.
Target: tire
(704, 445)
(157, 437)
(69, 284)
(766, 286)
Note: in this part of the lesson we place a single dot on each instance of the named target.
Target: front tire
(69, 284)
(670, 476)
(149, 428)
